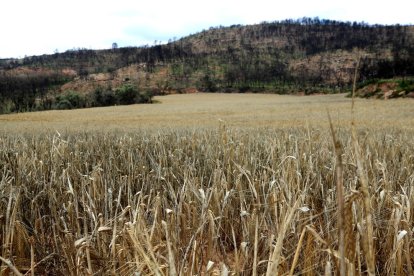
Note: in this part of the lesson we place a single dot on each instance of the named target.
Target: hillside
(306, 55)
(387, 88)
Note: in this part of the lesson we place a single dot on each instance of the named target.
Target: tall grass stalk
(206, 201)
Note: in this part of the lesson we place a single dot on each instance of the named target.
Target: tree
(114, 45)
(127, 94)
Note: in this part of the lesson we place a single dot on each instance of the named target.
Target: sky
(36, 27)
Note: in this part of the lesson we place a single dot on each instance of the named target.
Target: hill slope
(308, 55)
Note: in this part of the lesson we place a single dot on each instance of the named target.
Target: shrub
(244, 88)
(70, 100)
(64, 104)
(127, 94)
(103, 97)
(145, 97)
(208, 84)
(406, 85)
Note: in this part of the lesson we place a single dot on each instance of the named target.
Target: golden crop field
(210, 184)
(205, 110)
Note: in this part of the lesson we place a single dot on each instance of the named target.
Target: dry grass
(204, 110)
(171, 190)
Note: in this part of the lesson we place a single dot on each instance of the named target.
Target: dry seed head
(401, 235)
(209, 266)
(350, 234)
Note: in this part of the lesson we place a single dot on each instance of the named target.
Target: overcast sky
(35, 27)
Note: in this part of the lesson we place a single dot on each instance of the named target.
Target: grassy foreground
(222, 198)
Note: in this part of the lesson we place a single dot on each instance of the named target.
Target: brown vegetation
(223, 198)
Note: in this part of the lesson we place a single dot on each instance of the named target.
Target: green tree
(127, 94)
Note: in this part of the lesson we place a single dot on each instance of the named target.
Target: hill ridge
(305, 55)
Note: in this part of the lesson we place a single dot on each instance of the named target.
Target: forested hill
(308, 55)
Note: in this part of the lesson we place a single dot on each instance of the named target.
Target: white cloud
(37, 27)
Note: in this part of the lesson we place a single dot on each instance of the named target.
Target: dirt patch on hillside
(385, 90)
(40, 71)
(156, 81)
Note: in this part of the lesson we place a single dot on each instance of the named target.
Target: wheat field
(205, 110)
(210, 184)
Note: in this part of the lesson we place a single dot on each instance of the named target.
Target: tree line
(27, 91)
(41, 91)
